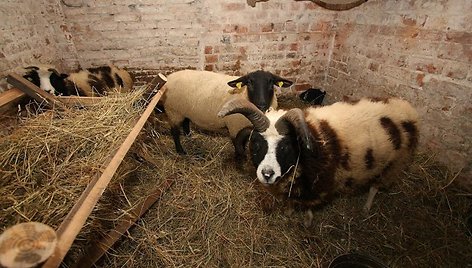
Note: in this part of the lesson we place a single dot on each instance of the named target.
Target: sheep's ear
(280, 82)
(238, 83)
(283, 83)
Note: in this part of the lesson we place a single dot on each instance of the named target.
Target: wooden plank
(96, 251)
(78, 215)
(11, 96)
(154, 86)
(33, 91)
(9, 101)
(92, 183)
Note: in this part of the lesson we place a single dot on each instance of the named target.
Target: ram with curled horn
(308, 156)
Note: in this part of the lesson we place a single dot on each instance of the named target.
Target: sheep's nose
(262, 107)
(267, 174)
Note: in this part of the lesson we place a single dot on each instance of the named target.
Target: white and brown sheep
(198, 96)
(90, 82)
(309, 156)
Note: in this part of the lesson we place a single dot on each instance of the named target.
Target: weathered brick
(211, 58)
(234, 6)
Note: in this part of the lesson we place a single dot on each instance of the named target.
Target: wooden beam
(78, 215)
(33, 91)
(11, 96)
(154, 86)
(9, 100)
(96, 251)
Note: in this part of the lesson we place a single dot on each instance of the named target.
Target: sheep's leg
(370, 199)
(308, 219)
(186, 126)
(175, 131)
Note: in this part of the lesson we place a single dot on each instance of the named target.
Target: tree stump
(26, 244)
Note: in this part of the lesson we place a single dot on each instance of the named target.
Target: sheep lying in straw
(90, 82)
(308, 156)
(197, 96)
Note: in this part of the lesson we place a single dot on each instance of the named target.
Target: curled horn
(249, 110)
(295, 118)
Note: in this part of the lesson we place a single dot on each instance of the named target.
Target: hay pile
(213, 216)
(49, 159)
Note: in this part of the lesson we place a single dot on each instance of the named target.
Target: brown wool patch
(369, 159)
(412, 130)
(332, 141)
(345, 160)
(392, 131)
(349, 182)
(95, 83)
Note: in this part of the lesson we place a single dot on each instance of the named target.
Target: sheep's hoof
(308, 219)
(180, 151)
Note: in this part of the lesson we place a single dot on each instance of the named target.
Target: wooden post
(96, 251)
(78, 215)
(154, 86)
(33, 91)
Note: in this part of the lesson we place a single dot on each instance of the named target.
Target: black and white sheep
(309, 156)
(43, 76)
(90, 82)
(198, 96)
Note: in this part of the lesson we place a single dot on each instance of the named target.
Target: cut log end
(26, 244)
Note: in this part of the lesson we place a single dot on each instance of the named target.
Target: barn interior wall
(421, 51)
(34, 32)
(417, 49)
(287, 37)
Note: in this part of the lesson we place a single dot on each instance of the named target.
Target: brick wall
(419, 50)
(286, 37)
(34, 32)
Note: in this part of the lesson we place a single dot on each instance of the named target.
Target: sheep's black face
(260, 87)
(59, 84)
(42, 78)
(272, 155)
(33, 76)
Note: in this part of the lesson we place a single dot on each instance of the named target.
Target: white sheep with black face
(309, 156)
(197, 96)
